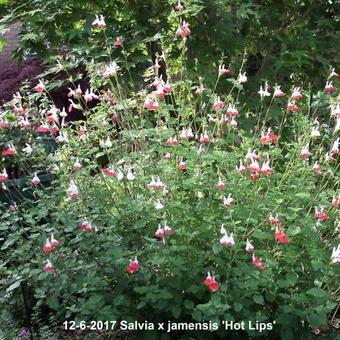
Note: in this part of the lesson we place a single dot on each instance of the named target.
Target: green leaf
(176, 312)
(259, 299)
(238, 306)
(303, 195)
(13, 286)
(53, 302)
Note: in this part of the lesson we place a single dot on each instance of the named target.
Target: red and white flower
(183, 30)
(335, 147)
(72, 190)
(35, 180)
(242, 78)
(263, 92)
(199, 89)
(218, 104)
(9, 151)
(241, 168)
(296, 94)
(48, 268)
(99, 22)
(40, 87)
(159, 232)
(86, 226)
(335, 258)
(329, 87)
(48, 247)
(274, 219)
(220, 185)
(278, 93)
(317, 168)
(77, 165)
(249, 247)
(179, 7)
(304, 153)
(291, 106)
(151, 104)
(336, 201)
(228, 201)
(182, 166)
(222, 70)
(118, 42)
(232, 111)
(108, 171)
(321, 215)
(133, 266)
(281, 237)
(257, 262)
(3, 176)
(204, 139)
(211, 283)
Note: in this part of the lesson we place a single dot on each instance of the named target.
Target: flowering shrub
(176, 202)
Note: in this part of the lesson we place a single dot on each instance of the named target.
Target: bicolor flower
(151, 104)
(291, 106)
(3, 176)
(329, 87)
(304, 153)
(220, 185)
(118, 42)
(321, 215)
(317, 168)
(40, 87)
(228, 201)
(281, 237)
(133, 266)
(48, 268)
(43, 128)
(108, 171)
(296, 93)
(335, 147)
(257, 262)
(76, 165)
(278, 92)
(222, 70)
(130, 176)
(48, 247)
(211, 283)
(232, 111)
(9, 151)
(335, 258)
(336, 201)
(179, 7)
(274, 219)
(159, 205)
(241, 168)
(218, 104)
(265, 168)
(199, 89)
(35, 180)
(242, 78)
(264, 91)
(86, 226)
(183, 30)
(249, 247)
(204, 139)
(182, 166)
(72, 190)
(99, 22)
(159, 232)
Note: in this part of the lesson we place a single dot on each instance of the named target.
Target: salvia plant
(175, 200)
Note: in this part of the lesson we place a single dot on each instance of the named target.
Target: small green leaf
(14, 285)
